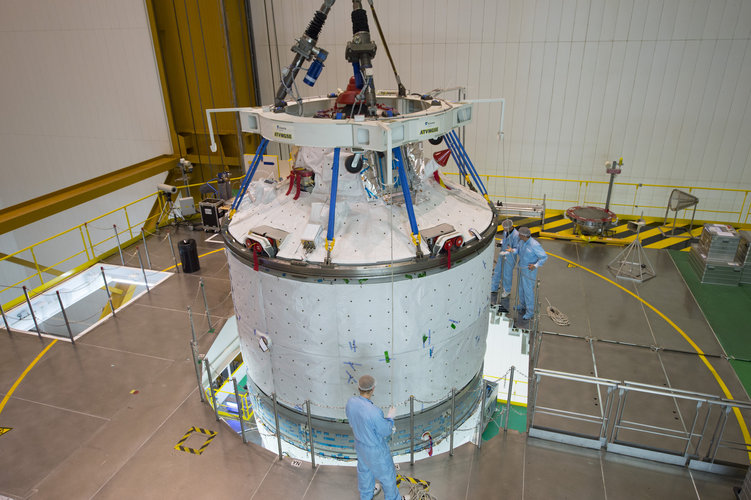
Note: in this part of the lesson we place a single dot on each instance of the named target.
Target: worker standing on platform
(531, 257)
(371, 428)
(504, 267)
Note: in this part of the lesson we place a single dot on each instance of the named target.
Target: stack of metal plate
(745, 490)
(715, 258)
(744, 256)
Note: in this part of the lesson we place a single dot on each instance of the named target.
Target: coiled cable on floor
(556, 315)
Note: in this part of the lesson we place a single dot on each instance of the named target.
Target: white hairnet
(366, 383)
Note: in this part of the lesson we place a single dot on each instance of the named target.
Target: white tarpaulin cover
(367, 230)
(322, 337)
(420, 334)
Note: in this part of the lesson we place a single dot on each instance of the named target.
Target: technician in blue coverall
(506, 260)
(531, 257)
(371, 429)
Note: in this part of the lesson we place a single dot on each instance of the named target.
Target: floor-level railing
(674, 426)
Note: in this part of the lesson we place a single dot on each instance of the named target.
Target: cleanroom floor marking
(62, 454)
(202, 255)
(556, 224)
(44, 351)
(651, 235)
(705, 361)
(23, 375)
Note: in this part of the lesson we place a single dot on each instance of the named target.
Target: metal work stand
(679, 200)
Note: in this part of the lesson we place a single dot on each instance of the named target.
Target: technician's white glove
(391, 413)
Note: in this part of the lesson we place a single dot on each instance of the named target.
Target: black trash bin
(189, 255)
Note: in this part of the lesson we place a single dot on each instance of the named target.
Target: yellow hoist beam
(36, 209)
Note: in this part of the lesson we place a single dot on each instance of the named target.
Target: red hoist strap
(430, 442)
(439, 180)
(291, 183)
(298, 179)
(255, 257)
(449, 244)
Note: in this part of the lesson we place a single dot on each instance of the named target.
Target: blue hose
(208, 183)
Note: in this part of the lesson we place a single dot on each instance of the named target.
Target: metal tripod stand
(632, 262)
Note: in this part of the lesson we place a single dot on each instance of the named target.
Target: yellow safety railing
(88, 251)
(738, 200)
(89, 243)
(503, 388)
(88, 248)
(247, 410)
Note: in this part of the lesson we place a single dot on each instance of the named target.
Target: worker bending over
(531, 257)
(371, 429)
(504, 268)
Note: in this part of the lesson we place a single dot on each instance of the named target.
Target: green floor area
(728, 310)
(517, 420)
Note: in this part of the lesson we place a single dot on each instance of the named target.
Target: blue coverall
(530, 252)
(505, 263)
(374, 459)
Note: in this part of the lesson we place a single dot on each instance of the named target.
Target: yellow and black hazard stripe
(412, 480)
(211, 435)
(653, 235)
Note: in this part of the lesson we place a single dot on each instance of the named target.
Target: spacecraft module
(314, 315)
(364, 260)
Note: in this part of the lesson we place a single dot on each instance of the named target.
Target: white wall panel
(80, 94)
(663, 83)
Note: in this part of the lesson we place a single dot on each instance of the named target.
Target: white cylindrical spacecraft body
(310, 328)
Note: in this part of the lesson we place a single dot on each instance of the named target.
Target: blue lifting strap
(249, 176)
(469, 164)
(332, 201)
(457, 156)
(407, 196)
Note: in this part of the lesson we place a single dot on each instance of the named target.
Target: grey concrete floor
(78, 431)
